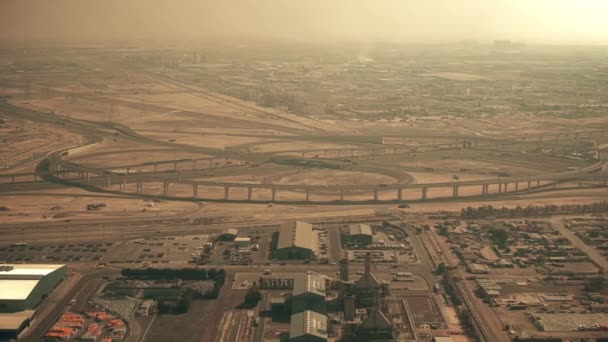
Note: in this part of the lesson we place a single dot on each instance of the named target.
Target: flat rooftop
(12, 321)
(16, 289)
(21, 271)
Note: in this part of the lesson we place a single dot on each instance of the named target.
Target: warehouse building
(360, 234)
(308, 326)
(22, 288)
(296, 241)
(309, 292)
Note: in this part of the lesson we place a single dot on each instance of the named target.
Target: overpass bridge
(107, 179)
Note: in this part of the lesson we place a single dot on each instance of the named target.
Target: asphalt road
(45, 323)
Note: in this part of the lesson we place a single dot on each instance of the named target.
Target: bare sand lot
(71, 204)
(205, 140)
(22, 143)
(330, 177)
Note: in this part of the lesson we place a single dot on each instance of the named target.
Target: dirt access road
(592, 253)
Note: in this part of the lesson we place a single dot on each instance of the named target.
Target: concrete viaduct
(109, 180)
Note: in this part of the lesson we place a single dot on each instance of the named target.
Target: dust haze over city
(278, 170)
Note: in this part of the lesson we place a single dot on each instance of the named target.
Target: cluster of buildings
(361, 313)
(592, 230)
(242, 247)
(95, 326)
(22, 288)
(508, 245)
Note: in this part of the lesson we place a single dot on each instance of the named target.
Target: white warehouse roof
(17, 281)
(15, 289)
(23, 271)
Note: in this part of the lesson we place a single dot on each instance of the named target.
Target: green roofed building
(308, 326)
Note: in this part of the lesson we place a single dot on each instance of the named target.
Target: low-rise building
(296, 241)
(22, 288)
(242, 242)
(309, 291)
(360, 234)
(308, 326)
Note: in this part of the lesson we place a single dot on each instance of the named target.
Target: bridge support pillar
(424, 191)
(165, 188)
(455, 191)
(484, 189)
(249, 191)
(194, 190)
(538, 183)
(226, 192)
(174, 166)
(307, 195)
(303, 154)
(155, 168)
(506, 186)
(499, 187)
(375, 195)
(399, 194)
(123, 186)
(529, 185)
(140, 186)
(108, 181)
(341, 194)
(128, 170)
(274, 194)
(516, 186)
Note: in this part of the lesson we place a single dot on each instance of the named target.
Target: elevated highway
(56, 168)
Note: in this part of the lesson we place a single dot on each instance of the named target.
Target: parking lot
(77, 252)
(158, 250)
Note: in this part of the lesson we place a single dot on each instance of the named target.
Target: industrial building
(308, 326)
(22, 288)
(296, 241)
(309, 292)
(360, 234)
(367, 286)
(228, 234)
(242, 242)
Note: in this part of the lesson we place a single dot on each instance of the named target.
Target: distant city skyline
(399, 21)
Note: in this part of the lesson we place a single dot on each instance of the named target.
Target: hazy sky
(549, 21)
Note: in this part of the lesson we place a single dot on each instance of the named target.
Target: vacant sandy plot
(24, 142)
(204, 140)
(71, 204)
(455, 76)
(297, 145)
(330, 177)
